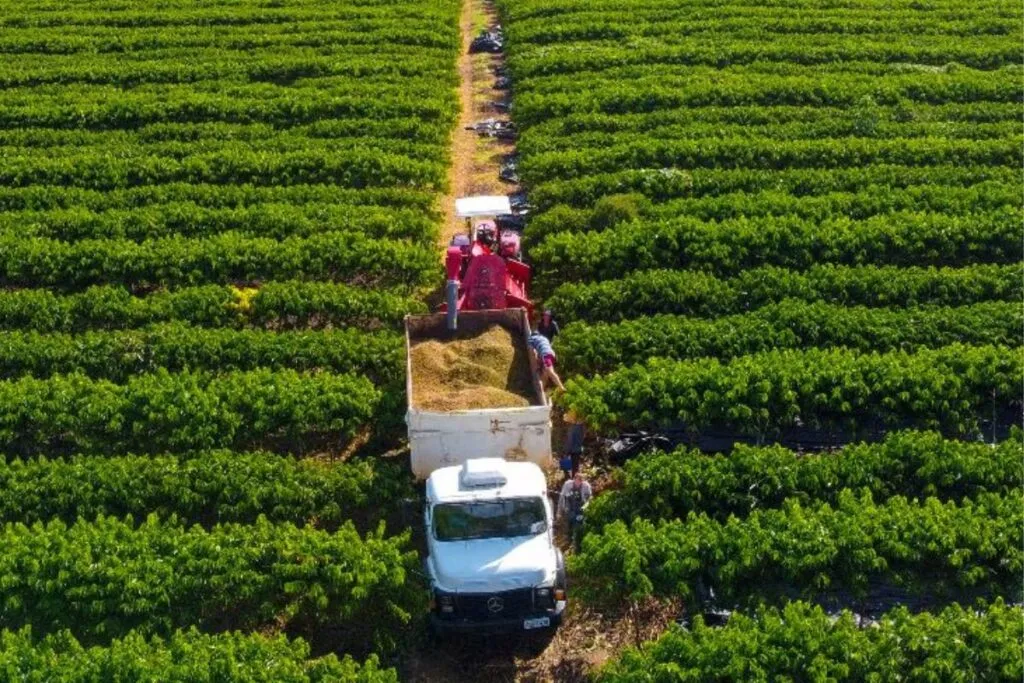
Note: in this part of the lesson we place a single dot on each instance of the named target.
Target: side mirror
(537, 527)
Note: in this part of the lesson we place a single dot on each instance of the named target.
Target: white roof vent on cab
(488, 205)
(478, 472)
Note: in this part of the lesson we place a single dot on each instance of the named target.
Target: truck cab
(492, 561)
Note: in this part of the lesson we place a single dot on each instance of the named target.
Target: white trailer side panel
(440, 439)
(444, 439)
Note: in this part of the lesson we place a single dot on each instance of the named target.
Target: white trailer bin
(443, 439)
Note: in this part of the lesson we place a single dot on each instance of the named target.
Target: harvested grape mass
(478, 371)
(783, 237)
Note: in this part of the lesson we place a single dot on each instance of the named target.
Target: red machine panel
(481, 280)
(484, 284)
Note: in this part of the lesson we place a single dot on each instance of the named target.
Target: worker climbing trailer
(440, 438)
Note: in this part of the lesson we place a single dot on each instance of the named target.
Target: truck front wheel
(561, 578)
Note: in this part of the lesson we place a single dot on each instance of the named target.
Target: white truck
(492, 561)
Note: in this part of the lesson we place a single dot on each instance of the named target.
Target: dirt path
(463, 142)
(475, 160)
(586, 639)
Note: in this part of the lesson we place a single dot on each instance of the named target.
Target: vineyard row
(653, 292)
(184, 656)
(274, 305)
(177, 261)
(800, 640)
(207, 488)
(731, 246)
(591, 349)
(120, 355)
(163, 412)
(664, 486)
(105, 578)
(951, 388)
(928, 549)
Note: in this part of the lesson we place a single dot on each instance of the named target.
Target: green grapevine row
(823, 121)
(929, 548)
(658, 92)
(105, 578)
(277, 221)
(913, 464)
(180, 139)
(48, 197)
(61, 145)
(114, 108)
(171, 261)
(183, 656)
(112, 39)
(163, 412)
(632, 151)
(654, 292)
(802, 642)
(927, 57)
(663, 184)
(119, 355)
(854, 83)
(982, 197)
(948, 388)
(190, 14)
(590, 349)
(274, 305)
(205, 488)
(730, 246)
(237, 164)
(171, 65)
(714, 134)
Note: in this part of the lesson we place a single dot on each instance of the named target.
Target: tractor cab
(484, 266)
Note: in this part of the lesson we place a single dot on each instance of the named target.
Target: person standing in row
(547, 325)
(574, 434)
(575, 496)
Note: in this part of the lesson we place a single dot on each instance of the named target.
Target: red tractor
(484, 267)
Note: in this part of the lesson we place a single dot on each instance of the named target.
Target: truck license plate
(539, 622)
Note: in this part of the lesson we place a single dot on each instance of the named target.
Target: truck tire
(534, 644)
(561, 578)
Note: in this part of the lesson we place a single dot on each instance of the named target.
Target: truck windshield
(489, 519)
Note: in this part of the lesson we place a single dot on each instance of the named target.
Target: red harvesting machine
(484, 270)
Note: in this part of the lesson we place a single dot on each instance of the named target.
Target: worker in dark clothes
(573, 440)
(547, 326)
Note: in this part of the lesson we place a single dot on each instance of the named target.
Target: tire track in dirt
(476, 161)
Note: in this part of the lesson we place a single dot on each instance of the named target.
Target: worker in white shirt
(575, 496)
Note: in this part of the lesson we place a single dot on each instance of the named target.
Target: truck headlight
(543, 596)
(445, 602)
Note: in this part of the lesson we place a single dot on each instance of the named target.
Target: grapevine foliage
(184, 656)
(105, 578)
(667, 486)
(929, 548)
(801, 640)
